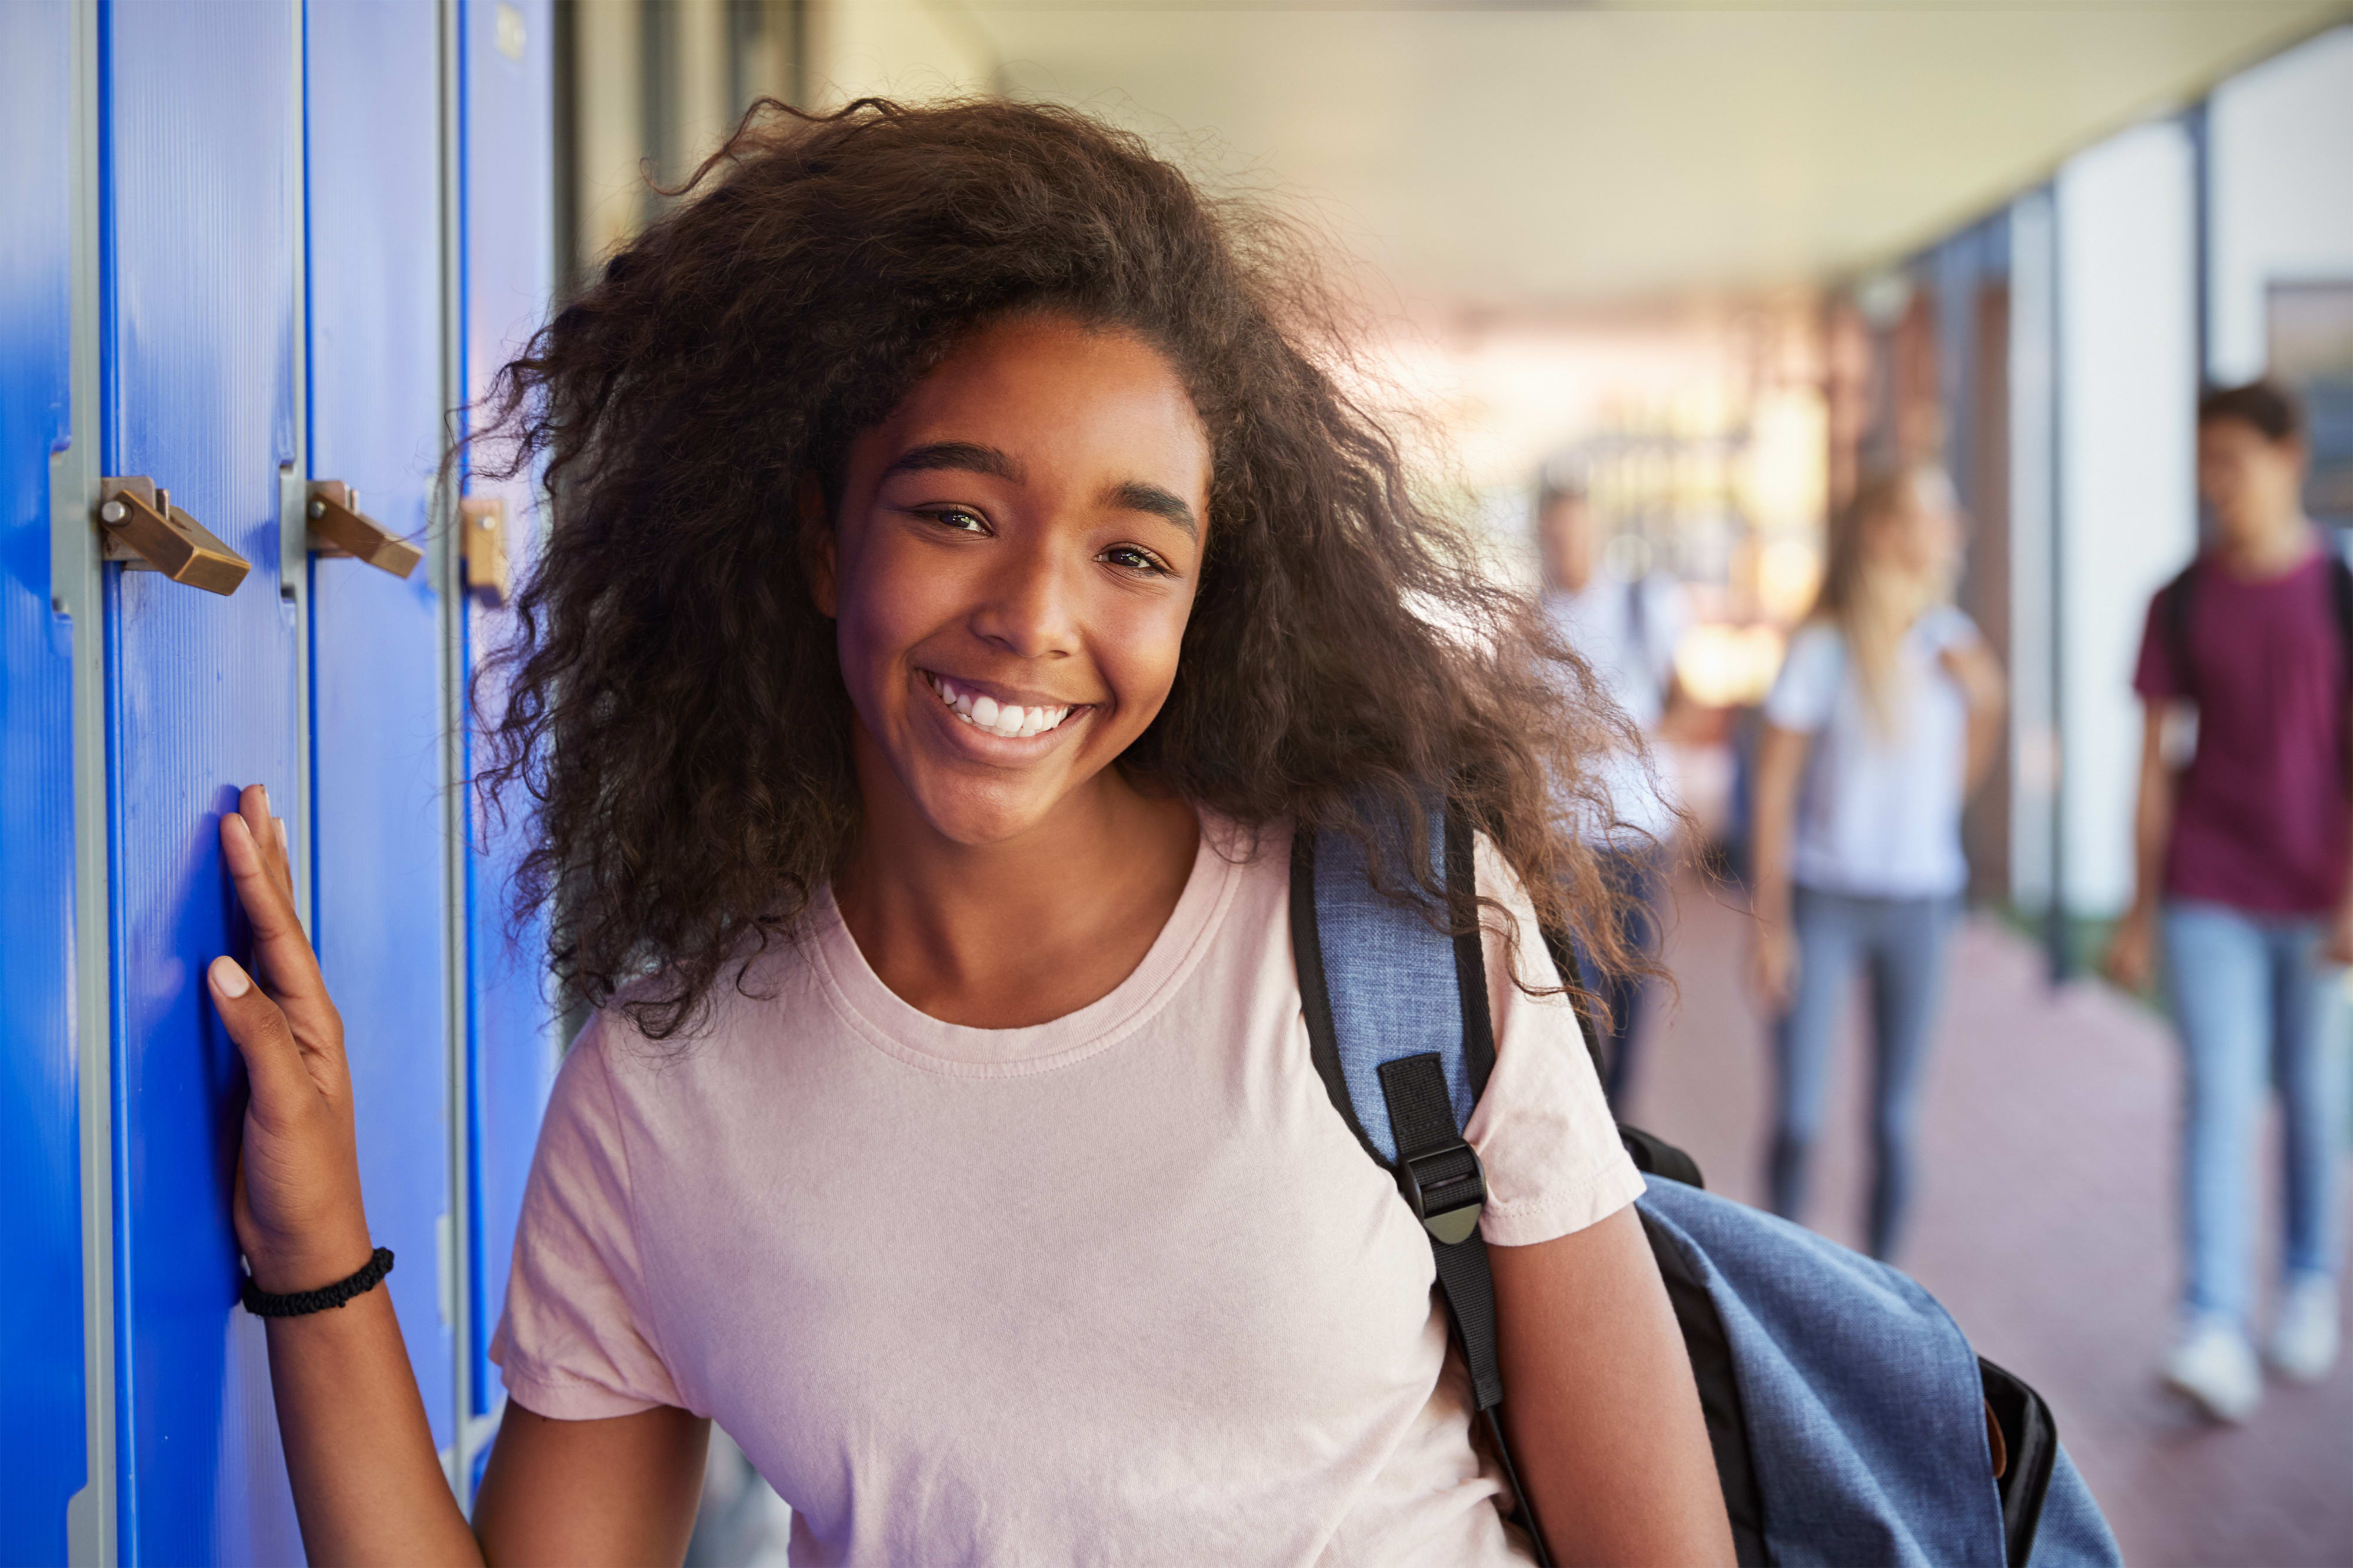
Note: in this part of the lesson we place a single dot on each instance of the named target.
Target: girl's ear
(816, 543)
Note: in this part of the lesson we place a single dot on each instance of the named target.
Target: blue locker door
(372, 113)
(41, 1433)
(200, 219)
(508, 247)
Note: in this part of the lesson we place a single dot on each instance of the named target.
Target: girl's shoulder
(1941, 626)
(1816, 638)
(639, 1028)
(1806, 689)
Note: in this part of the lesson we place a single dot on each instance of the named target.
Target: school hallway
(2042, 1218)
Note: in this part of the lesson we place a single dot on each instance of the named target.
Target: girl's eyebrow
(1136, 495)
(965, 456)
(972, 458)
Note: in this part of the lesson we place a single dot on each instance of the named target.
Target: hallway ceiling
(1529, 156)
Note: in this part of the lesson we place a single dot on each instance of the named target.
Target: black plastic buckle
(1446, 1189)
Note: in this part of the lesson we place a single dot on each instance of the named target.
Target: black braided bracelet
(297, 1303)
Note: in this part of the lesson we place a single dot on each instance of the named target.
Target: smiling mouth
(1008, 721)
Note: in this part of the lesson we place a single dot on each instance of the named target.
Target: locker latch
(338, 527)
(141, 528)
(483, 523)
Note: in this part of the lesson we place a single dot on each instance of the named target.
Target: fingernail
(263, 791)
(228, 979)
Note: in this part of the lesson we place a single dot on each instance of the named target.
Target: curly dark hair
(674, 705)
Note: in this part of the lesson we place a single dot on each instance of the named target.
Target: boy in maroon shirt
(2243, 856)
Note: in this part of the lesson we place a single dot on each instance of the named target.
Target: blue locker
(508, 249)
(41, 1427)
(372, 115)
(200, 238)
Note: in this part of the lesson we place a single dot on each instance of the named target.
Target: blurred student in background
(1883, 718)
(2243, 858)
(1626, 627)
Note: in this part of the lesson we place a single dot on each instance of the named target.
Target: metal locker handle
(146, 532)
(482, 521)
(338, 527)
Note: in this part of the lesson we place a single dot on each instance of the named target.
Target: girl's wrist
(311, 1264)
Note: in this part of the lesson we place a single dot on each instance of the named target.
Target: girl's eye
(962, 522)
(1134, 560)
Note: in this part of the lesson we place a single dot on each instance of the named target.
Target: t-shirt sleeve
(1807, 688)
(1949, 626)
(2154, 679)
(1543, 1131)
(573, 1344)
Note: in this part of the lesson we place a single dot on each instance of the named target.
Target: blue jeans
(1900, 943)
(2257, 1008)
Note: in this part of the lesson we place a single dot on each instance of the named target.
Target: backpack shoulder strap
(2173, 624)
(1399, 1025)
(1396, 1010)
(1385, 988)
(2340, 598)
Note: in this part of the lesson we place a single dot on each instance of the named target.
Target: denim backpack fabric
(1863, 1402)
(1848, 1413)
(1392, 982)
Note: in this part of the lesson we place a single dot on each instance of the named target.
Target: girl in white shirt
(966, 581)
(1883, 718)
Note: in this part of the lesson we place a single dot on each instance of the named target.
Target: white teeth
(1009, 720)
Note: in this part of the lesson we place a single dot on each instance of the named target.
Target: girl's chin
(978, 818)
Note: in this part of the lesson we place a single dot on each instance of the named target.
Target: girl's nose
(1030, 610)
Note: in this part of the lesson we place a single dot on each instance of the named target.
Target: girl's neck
(1023, 932)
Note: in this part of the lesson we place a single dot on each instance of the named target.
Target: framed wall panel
(379, 878)
(507, 254)
(201, 215)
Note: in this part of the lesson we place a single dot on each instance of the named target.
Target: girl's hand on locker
(296, 1209)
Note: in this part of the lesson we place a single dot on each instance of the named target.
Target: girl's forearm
(368, 1487)
(1984, 742)
(1780, 760)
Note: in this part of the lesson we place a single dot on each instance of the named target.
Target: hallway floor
(2044, 1219)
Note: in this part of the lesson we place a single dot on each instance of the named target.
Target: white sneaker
(2304, 1336)
(2215, 1366)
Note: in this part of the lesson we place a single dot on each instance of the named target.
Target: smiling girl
(968, 579)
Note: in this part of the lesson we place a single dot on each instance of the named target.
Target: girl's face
(1017, 553)
(1922, 537)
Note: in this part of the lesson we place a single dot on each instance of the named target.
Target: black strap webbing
(1469, 1290)
(1421, 1118)
(1470, 954)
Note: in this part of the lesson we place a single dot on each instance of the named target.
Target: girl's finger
(279, 946)
(273, 1061)
(270, 833)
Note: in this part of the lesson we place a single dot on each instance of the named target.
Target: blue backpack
(1851, 1423)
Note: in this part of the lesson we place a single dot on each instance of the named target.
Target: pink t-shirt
(1121, 1288)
